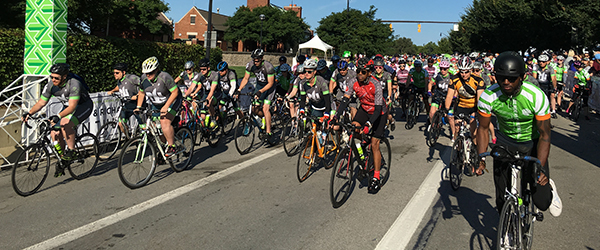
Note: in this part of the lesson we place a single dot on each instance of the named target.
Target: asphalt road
(228, 201)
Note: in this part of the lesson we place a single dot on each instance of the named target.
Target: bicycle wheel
(455, 166)
(331, 151)
(86, 147)
(528, 227)
(576, 109)
(30, 169)
(341, 178)
(410, 117)
(509, 227)
(137, 162)
(434, 129)
(229, 123)
(214, 136)
(386, 160)
(291, 137)
(109, 137)
(306, 159)
(245, 132)
(184, 141)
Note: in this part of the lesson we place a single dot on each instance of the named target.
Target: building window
(193, 20)
(191, 36)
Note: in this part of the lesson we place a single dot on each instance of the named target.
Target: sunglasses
(509, 78)
(363, 72)
(443, 68)
(465, 71)
(379, 67)
(476, 70)
(116, 72)
(308, 71)
(203, 69)
(344, 69)
(188, 69)
(55, 78)
(256, 61)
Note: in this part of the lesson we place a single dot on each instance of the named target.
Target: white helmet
(310, 64)
(149, 65)
(474, 55)
(543, 58)
(465, 63)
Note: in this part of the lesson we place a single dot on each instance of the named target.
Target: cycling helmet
(283, 59)
(477, 65)
(465, 63)
(189, 65)
(487, 59)
(401, 61)
(204, 63)
(543, 58)
(60, 68)
(342, 65)
(300, 69)
(257, 53)
(300, 59)
(310, 64)
(347, 54)
(444, 64)
(509, 63)
(561, 57)
(363, 64)
(418, 63)
(577, 64)
(409, 59)
(120, 66)
(430, 60)
(529, 58)
(150, 65)
(597, 56)
(378, 62)
(473, 55)
(335, 58)
(285, 68)
(321, 64)
(222, 66)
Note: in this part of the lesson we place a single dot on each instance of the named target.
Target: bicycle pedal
(539, 216)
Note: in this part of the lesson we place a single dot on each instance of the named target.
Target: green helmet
(347, 54)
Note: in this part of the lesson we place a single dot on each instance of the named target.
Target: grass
(240, 70)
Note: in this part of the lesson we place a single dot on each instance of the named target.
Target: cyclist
(560, 70)
(227, 80)
(385, 78)
(371, 114)
(418, 78)
(441, 83)
(73, 94)
(293, 94)
(341, 81)
(402, 75)
(347, 56)
(189, 77)
(546, 78)
(316, 89)
(582, 78)
(300, 61)
(322, 69)
(431, 69)
(468, 88)
(164, 95)
(208, 85)
(265, 81)
(335, 59)
(282, 61)
(478, 70)
(128, 86)
(523, 115)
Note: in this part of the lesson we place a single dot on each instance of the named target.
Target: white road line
(400, 233)
(131, 211)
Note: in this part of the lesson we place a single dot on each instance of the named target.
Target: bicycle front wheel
(331, 150)
(30, 170)
(137, 162)
(291, 137)
(245, 132)
(214, 135)
(229, 123)
(386, 160)
(306, 159)
(455, 166)
(184, 142)
(341, 178)
(109, 137)
(86, 148)
(509, 227)
(435, 128)
(576, 109)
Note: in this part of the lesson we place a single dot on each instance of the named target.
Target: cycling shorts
(379, 127)
(174, 108)
(81, 113)
(266, 97)
(468, 112)
(438, 98)
(127, 111)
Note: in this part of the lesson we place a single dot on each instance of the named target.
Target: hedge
(93, 57)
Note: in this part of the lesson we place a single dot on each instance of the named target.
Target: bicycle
(435, 126)
(202, 131)
(515, 228)
(356, 151)
(462, 160)
(110, 136)
(575, 110)
(32, 165)
(293, 133)
(415, 105)
(316, 148)
(245, 130)
(138, 159)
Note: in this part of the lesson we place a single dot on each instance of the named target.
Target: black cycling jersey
(129, 86)
(72, 89)
(159, 90)
(261, 72)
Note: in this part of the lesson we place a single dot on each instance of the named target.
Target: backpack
(80, 79)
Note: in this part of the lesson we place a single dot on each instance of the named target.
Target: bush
(93, 58)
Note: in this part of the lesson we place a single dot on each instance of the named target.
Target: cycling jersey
(206, 82)
(419, 78)
(129, 86)
(402, 75)
(284, 82)
(317, 92)
(516, 115)
(343, 82)
(442, 83)
(159, 90)
(227, 83)
(72, 89)
(559, 72)
(544, 76)
(384, 79)
(467, 90)
(369, 95)
(326, 75)
(187, 80)
(582, 77)
(261, 72)
(431, 70)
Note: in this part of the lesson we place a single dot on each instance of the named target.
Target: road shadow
(579, 138)
(203, 153)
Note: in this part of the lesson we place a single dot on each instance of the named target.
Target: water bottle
(257, 118)
(360, 150)
(320, 137)
(324, 137)
(444, 120)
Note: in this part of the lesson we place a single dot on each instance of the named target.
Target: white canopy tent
(316, 43)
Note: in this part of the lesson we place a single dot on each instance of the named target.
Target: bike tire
(306, 159)
(435, 128)
(229, 124)
(28, 176)
(509, 224)
(245, 139)
(528, 227)
(386, 160)
(214, 136)
(331, 150)
(134, 174)
(455, 166)
(341, 178)
(291, 136)
(184, 140)
(109, 139)
(576, 109)
(411, 116)
(86, 148)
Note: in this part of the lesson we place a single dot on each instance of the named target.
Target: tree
(278, 26)
(13, 13)
(403, 45)
(356, 31)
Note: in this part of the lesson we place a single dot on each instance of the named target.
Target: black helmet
(335, 58)
(204, 63)
(257, 53)
(283, 59)
(300, 59)
(379, 61)
(60, 68)
(363, 63)
(509, 63)
(120, 66)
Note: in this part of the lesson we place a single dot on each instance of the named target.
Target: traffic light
(419, 28)
(391, 27)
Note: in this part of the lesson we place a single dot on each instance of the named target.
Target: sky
(313, 11)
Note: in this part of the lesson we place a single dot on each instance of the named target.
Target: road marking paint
(400, 233)
(131, 211)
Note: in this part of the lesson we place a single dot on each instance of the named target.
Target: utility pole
(207, 41)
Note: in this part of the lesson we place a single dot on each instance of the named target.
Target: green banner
(45, 35)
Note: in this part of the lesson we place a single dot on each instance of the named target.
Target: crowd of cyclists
(523, 91)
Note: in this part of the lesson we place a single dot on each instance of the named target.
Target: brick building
(192, 26)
